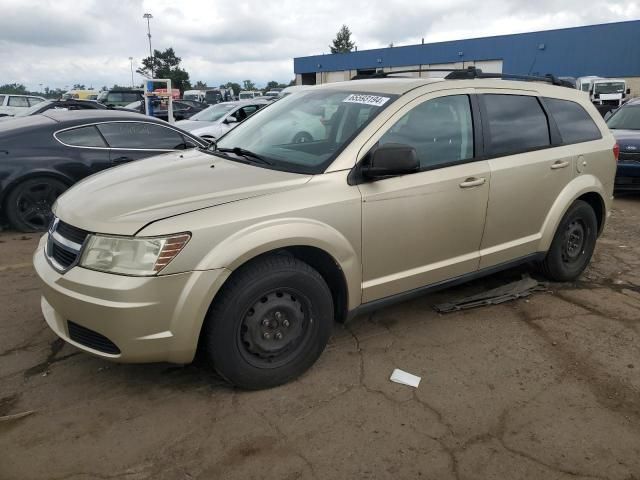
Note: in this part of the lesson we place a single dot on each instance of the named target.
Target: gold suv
(330, 202)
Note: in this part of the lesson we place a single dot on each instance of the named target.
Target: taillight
(616, 151)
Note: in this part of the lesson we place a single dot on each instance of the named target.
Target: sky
(58, 43)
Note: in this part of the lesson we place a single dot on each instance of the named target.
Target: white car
(12, 104)
(216, 120)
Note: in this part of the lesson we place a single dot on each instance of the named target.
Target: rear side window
(18, 102)
(81, 137)
(516, 124)
(573, 121)
(141, 135)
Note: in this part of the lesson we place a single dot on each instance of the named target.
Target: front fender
(572, 191)
(263, 237)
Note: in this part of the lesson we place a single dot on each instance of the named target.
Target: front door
(426, 227)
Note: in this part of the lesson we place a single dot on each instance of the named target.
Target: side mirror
(231, 119)
(391, 159)
(628, 92)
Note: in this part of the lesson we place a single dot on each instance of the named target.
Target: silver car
(216, 120)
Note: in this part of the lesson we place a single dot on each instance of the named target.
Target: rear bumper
(147, 319)
(627, 176)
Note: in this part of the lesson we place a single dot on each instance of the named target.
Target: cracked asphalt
(546, 387)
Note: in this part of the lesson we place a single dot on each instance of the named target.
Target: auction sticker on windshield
(366, 99)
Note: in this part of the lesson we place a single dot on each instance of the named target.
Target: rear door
(87, 146)
(131, 140)
(527, 173)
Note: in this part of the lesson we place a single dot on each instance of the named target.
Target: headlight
(131, 255)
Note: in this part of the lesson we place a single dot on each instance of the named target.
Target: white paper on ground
(405, 378)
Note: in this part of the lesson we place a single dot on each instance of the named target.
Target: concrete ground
(542, 388)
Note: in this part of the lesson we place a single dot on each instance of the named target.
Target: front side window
(213, 113)
(441, 131)
(81, 137)
(34, 101)
(516, 123)
(141, 135)
(18, 102)
(573, 121)
(115, 97)
(130, 97)
(627, 118)
(304, 133)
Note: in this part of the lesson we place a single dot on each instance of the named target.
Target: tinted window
(114, 97)
(441, 131)
(81, 137)
(573, 121)
(141, 135)
(130, 97)
(18, 102)
(516, 124)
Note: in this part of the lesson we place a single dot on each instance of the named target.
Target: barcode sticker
(374, 100)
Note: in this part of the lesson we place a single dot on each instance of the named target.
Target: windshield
(24, 112)
(608, 87)
(626, 118)
(304, 133)
(214, 112)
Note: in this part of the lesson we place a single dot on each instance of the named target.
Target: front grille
(72, 233)
(64, 257)
(64, 244)
(629, 156)
(91, 339)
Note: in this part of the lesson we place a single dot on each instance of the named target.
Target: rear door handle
(559, 164)
(472, 182)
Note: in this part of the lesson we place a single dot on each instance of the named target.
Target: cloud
(62, 42)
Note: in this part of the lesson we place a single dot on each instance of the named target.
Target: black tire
(302, 137)
(270, 323)
(573, 244)
(28, 205)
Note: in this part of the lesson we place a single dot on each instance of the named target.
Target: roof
(393, 85)
(92, 115)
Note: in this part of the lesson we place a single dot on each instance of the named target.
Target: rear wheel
(573, 243)
(28, 205)
(270, 323)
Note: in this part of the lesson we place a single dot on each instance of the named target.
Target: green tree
(342, 43)
(200, 85)
(272, 84)
(248, 85)
(234, 86)
(14, 88)
(79, 86)
(166, 65)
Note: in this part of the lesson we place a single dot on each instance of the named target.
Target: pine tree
(342, 43)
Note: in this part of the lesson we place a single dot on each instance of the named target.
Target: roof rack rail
(471, 73)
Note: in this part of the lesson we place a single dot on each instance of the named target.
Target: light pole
(131, 63)
(148, 16)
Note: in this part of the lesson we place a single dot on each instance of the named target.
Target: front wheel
(270, 323)
(573, 243)
(28, 205)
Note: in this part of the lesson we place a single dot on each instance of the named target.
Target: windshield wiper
(242, 152)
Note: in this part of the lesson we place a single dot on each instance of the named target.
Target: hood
(122, 200)
(191, 125)
(210, 130)
(627, 137)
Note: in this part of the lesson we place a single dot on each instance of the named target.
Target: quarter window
(141, 135)
(441, 131)
(81, 137)
(573, 121)
(516, 123)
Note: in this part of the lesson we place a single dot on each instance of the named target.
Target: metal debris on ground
(16, 416)
(405, 378)
(504, 293)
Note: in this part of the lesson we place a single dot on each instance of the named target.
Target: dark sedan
(42, 155)
(56, 105)
(625, 126)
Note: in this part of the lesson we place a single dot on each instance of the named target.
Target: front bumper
(148, 319)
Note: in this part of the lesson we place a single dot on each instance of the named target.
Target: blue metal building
(607, 50)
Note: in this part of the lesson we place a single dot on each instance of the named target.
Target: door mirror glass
(231, 119)
(391, 159)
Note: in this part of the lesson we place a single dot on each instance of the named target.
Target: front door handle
(559, 164)
(472, 182)
(122, 159)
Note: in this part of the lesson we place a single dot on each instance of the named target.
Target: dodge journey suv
(251, 248)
